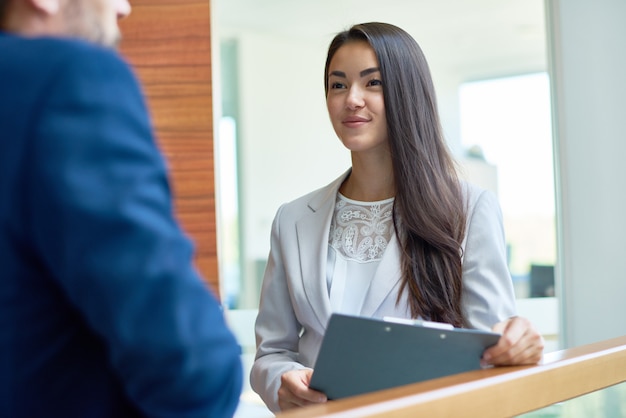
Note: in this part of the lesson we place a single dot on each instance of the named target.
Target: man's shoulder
(50, 53)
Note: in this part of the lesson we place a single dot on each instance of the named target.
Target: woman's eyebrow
(338, 74)
(363, 73)
(369, 71)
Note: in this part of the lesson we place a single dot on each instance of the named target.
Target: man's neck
(22, 19)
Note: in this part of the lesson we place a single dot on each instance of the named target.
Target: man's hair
(4, 4)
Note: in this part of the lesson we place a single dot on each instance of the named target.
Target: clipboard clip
(418, 322)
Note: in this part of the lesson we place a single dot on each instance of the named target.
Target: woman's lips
(355, 121)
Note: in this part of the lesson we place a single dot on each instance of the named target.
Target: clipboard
(360, 355)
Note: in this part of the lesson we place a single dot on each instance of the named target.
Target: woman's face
(355, 98)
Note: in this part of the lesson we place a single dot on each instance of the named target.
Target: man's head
(92, 20)
(4, 4)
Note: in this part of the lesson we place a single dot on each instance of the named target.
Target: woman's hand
(519, 344)
(294, 390)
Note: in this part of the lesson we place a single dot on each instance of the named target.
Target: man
(101, 311)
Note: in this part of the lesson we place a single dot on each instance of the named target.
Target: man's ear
(49, 7)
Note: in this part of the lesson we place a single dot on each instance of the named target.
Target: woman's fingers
(294, 390)
(519, 344)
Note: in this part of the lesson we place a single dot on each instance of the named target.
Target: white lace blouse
(359, 234)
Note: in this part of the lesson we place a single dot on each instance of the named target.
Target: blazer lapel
(312, 233)
(387, 276)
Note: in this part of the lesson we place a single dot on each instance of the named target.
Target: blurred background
(275, 142)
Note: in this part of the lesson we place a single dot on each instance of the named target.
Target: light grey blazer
(295, 304)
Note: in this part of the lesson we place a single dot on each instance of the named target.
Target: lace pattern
(360, 231)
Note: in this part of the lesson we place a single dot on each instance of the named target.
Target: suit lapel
(386, 278)
(312, 233)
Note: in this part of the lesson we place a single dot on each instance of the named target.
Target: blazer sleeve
(99, 207)
(277, 328)
(488, 288)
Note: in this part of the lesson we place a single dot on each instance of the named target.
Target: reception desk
(494, 392)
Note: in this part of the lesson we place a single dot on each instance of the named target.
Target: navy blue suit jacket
(101, 311)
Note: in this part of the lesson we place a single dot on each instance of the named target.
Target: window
(505, 123)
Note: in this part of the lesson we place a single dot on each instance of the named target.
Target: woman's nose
(355, 98)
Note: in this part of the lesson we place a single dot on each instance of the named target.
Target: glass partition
(605, 403)
(506, 125)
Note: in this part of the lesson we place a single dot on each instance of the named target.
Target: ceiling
(478, 38)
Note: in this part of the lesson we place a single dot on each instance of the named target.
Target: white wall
(288, 146)
(589, 80)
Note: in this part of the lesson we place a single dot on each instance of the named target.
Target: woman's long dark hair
(429, 208)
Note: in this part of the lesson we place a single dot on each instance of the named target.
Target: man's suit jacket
(295, 299)
(101, 311)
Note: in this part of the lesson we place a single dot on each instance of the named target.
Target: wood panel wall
(168, 42)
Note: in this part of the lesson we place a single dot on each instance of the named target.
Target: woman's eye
(375, 82)
(337, 85)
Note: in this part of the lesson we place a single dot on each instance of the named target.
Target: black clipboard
(360, 355)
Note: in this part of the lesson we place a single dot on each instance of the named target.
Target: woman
(397, 235)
